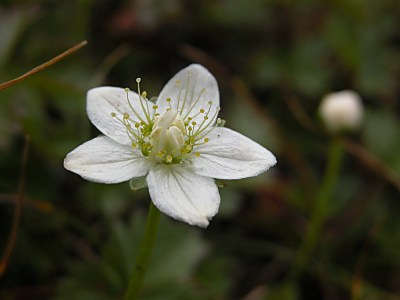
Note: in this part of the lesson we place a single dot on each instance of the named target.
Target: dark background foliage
(274, 61)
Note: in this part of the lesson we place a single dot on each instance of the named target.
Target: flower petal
(185, 90)
(105, 161)
(183, 195)
(103, 101)
(230, 155)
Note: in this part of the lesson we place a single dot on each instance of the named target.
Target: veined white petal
(105, 100)
(105, 161)
(230, 155)
(190, 90)
(183, 195)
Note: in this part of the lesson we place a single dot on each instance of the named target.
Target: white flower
(341, 111)
(175, 144)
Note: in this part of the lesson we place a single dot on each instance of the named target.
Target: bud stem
(319, 212)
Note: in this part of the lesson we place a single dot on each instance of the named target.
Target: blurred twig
(369, 160)
(40, 205)
(43, 66)
(18, 209)
(109, 62)
(300, 114)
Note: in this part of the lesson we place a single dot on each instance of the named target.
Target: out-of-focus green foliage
(274, 60)
(106, 276)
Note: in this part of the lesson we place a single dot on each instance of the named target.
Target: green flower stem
(143, 258)
(320, 209)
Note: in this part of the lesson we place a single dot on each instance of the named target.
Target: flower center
(169, 137)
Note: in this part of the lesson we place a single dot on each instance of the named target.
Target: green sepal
(222, 123)
(137, 183)
(220, 183)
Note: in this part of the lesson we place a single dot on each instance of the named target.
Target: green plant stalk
(320, 209)
(143, 258)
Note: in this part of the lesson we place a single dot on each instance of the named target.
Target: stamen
(200, 130)
(130, 104)
(169, 102)
(146, 112)
(155, 107)
(205, 117)
(195, 102)
(186, 93)
(178, 83)
(168, 158)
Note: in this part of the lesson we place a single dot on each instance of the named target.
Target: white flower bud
(341, 111)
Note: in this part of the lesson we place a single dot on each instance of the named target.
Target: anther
(168, 158)
(144, 94)
(127, 89)
(206, 140)
(113, 114)
(194, 123)
(197, 154)
(138, 80)
(202, 111)
(126, 116)
(155, 106)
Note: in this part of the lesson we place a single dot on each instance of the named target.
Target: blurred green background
(274, 60)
